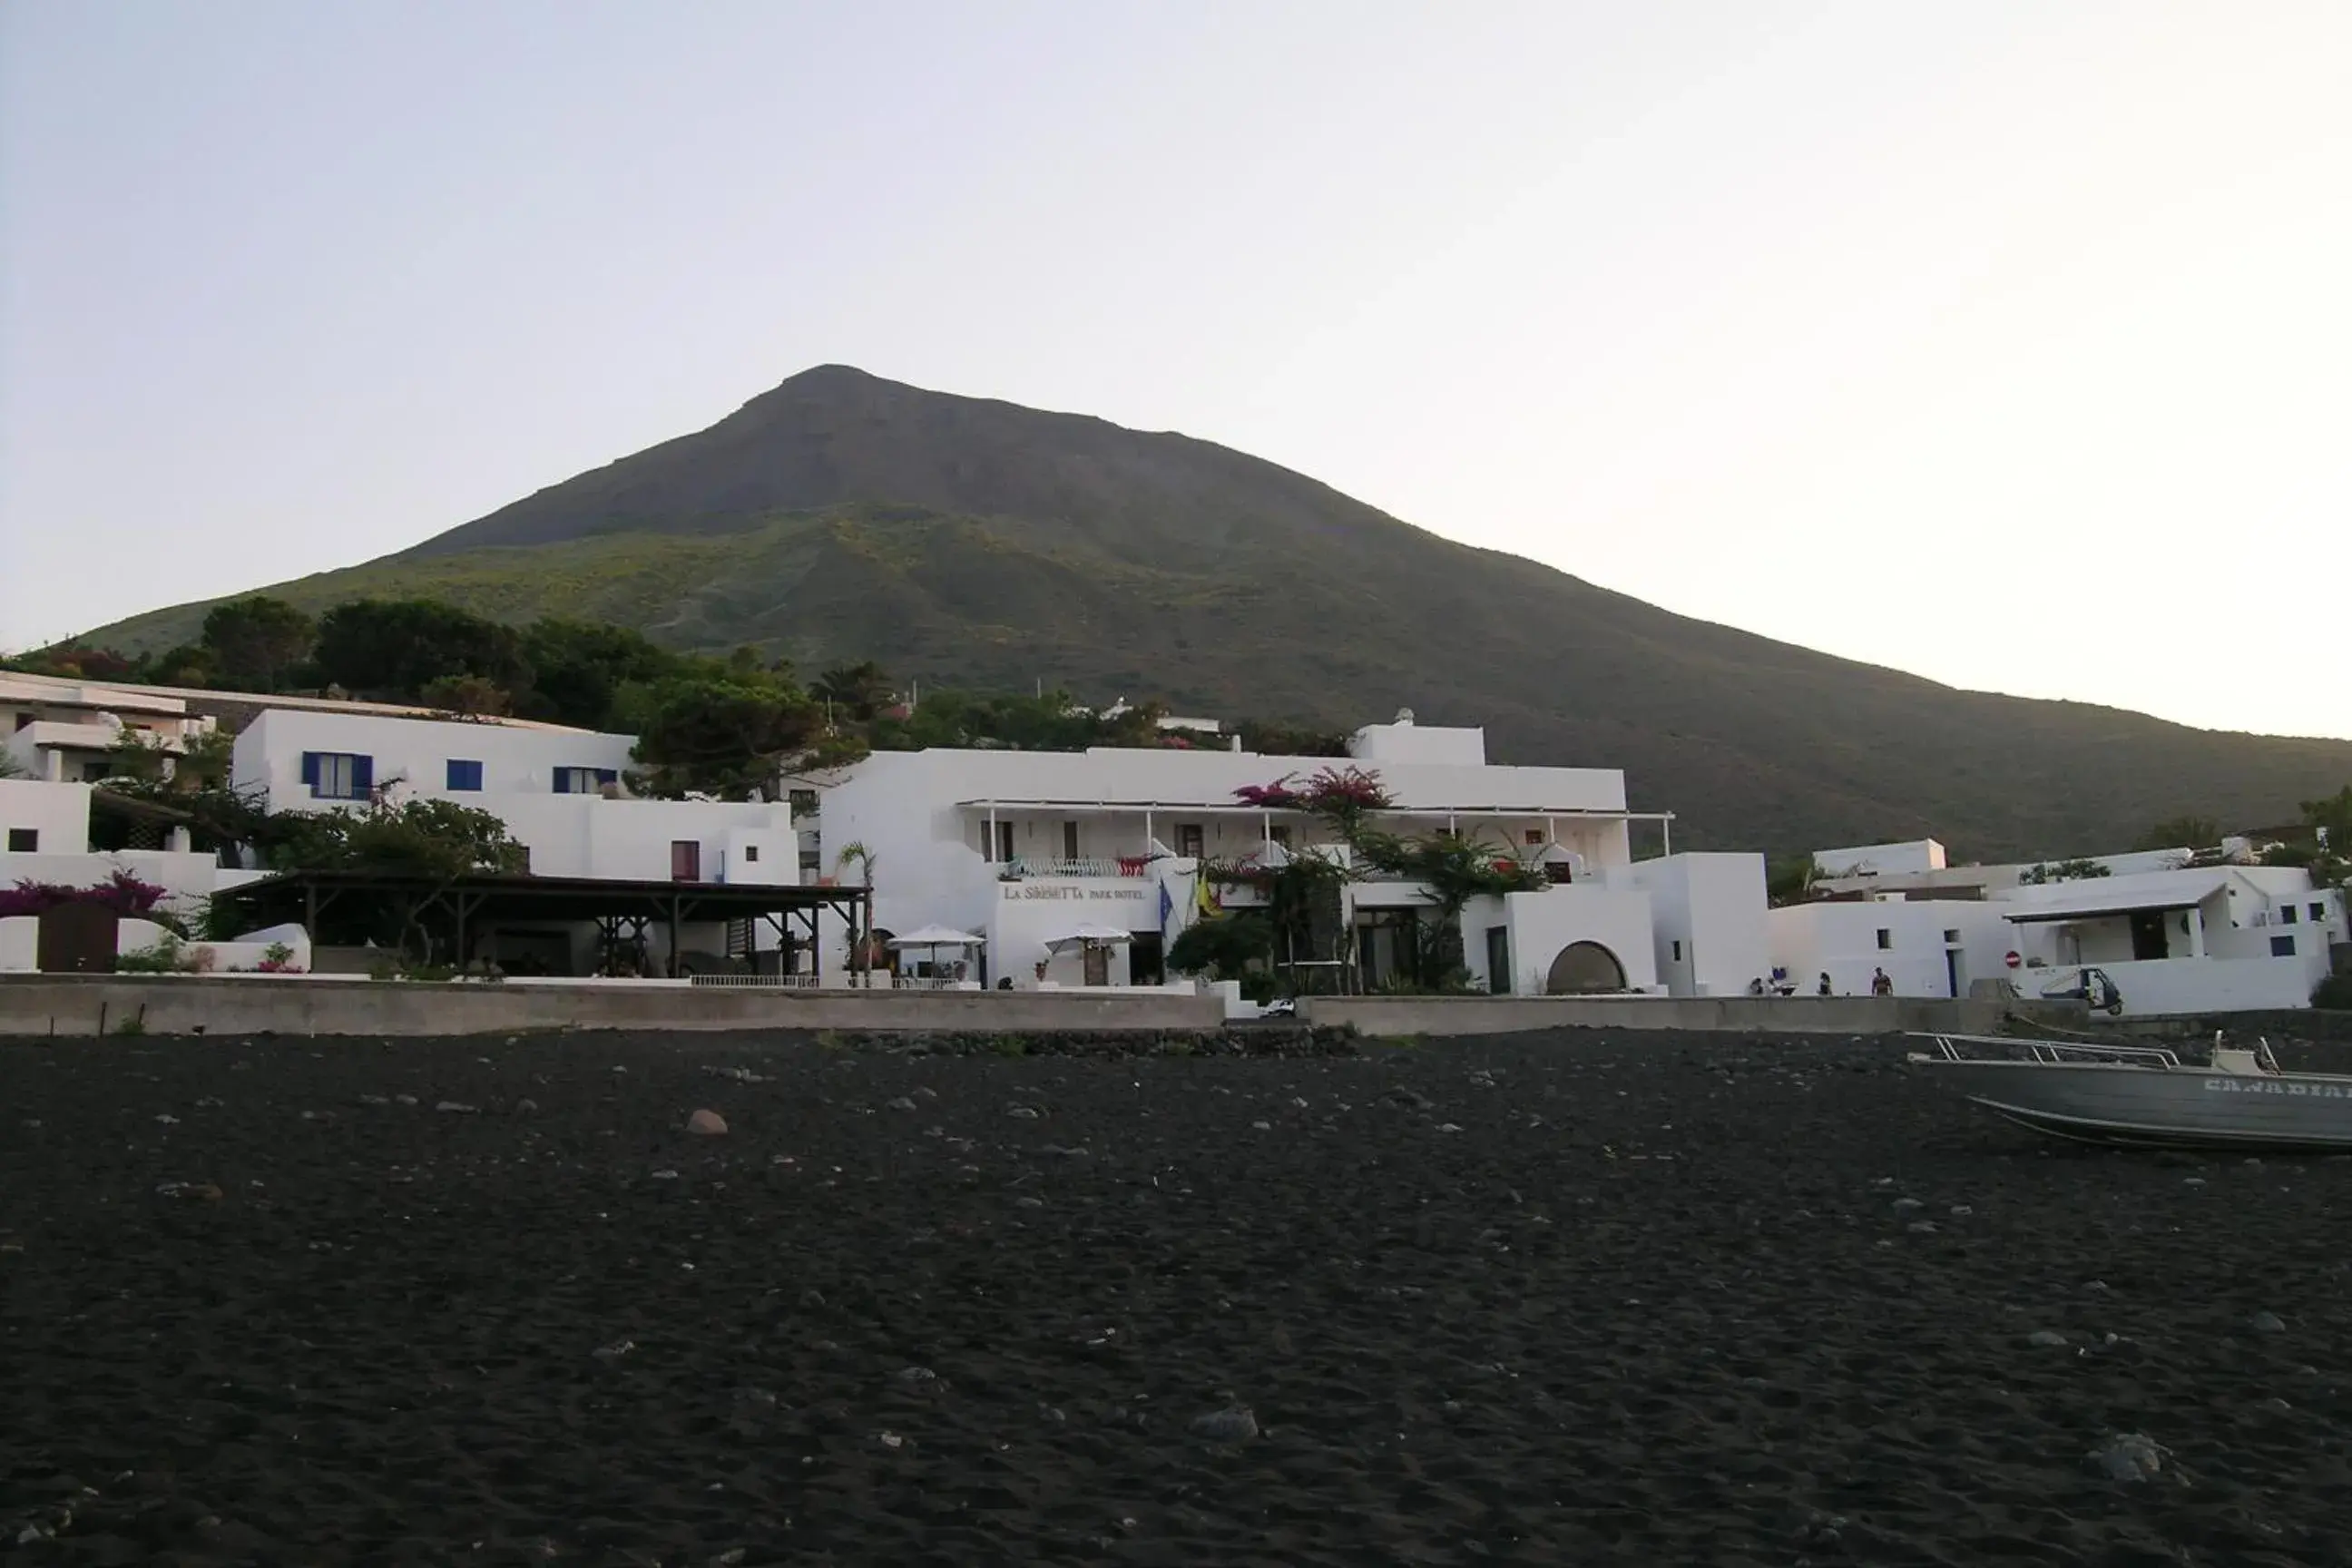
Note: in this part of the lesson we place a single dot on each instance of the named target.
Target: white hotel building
(1029, 850)
(2173, 930)
(560, 795)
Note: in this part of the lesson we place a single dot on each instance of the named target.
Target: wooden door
(76, 938)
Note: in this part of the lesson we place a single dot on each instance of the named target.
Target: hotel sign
(1125, 890)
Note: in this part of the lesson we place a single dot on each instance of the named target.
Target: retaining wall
(253, 1004)
(1445, 1015)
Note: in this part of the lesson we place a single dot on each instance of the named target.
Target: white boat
(2145, 1096)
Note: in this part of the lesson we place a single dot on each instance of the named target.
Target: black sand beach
(1562, 1299)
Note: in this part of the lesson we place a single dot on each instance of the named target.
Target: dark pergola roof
(492, 896)
(137, 808)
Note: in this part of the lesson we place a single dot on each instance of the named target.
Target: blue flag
(1167, 906)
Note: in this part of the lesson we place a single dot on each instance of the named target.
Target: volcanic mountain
(973, 542)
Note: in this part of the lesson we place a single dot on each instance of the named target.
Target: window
(1279, 834)
(338, 775)
(583, 780)
(1678, 952)
(1532, 837)
(1069, 841)
(23, 840)
(93, 772)
(751, 853)
(1952, 938)
(1886, 939)
(2287, 914)
(684, 860)
(2282, 947)
(24, 720)
(465, 774)
(1188, 840)
(2318, 914)
(1004, 844)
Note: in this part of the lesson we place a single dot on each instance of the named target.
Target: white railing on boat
(2053, 1052)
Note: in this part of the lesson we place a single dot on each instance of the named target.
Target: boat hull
(2177, 1108)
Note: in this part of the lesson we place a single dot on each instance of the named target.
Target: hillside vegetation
(840, 518)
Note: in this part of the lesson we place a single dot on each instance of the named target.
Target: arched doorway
(1584, 966)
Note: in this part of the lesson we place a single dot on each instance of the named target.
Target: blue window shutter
(465, 774)
(563, 781)
(362, 776)
(310, 769)
(608, 776)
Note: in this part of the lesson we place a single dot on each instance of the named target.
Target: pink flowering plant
(123, 893)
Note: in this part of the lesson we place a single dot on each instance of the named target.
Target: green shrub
(2334, 993)
(168, 956)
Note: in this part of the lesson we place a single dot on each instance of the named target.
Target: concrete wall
(20, 943)
(1707, 914)
(183, 1004)
(1881, 859)
(2177, 987)
(1405, 741)
(1449, 1015)
(58, 813)
(1843, 940)
(1541, 924)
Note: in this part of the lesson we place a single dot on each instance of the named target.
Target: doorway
(1098, 964)
(1582, 968)
(2148, 935)
(1146, 964)
(1956, 970)
(1499, 960)
(1388, 948)
(684, 860)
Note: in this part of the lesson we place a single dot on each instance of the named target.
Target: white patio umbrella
(1087, 933)
(938, 936)
(932, 939)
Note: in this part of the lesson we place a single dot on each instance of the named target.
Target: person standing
(1881, 984)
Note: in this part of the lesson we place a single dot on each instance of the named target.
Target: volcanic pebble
(1656, 1302)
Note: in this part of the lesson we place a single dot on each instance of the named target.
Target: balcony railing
(1019, 868)
(760, 981)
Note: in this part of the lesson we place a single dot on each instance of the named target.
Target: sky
(2006, 343)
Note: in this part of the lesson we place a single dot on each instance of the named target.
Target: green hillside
(842, 516)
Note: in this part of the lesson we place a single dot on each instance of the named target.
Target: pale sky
(2010, 344)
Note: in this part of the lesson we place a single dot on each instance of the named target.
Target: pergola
(609, 903)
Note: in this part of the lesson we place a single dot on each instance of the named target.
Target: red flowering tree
(123, 893)
(1279, 795)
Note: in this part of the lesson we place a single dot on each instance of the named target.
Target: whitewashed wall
(417, 753)
(1707, 910)
(1842, 940)
(59, 813)
(1543, 924)
(930, 865)
(2176, 986)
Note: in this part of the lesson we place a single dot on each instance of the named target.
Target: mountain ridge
(840, 516)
